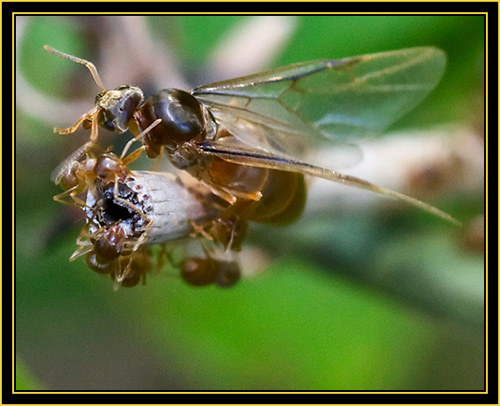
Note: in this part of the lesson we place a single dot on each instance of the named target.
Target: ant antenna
(91, 67)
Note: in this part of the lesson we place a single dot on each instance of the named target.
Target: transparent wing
(77, 155)
(287, 109)
(247, 156)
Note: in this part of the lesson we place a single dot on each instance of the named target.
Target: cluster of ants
(242, 141)
(117, 237)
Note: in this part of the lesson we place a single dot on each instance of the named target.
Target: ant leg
(143, 236)
(132, 156)
(72, 193)
(84, 248)
(137, 138)
(126, 202)
(61, 197)
(94, 130)
(83, 241)
(232, 196)
(87, 116)
(120, 276)
(163, 258)
(200, 230)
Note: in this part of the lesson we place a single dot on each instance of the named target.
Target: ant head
(117, 107)
(114, 108)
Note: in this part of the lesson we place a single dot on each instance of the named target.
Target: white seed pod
(154, 206)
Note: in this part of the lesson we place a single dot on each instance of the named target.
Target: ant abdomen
(205, 271)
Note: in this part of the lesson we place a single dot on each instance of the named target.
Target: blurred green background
(371, 301)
